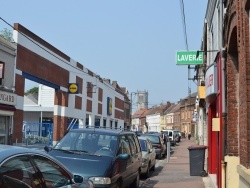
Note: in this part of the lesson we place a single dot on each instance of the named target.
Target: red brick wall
(100, 94)
(89, 106)
(238, 80)
(119, 103)
(78, 102)
(99, 108)
(61, 127)
(18, 126)
(89, 90)
(34, 64)
(20, 81)
(79, 81)
(119, 114)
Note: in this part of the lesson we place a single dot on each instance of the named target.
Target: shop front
(214, 118)
(7, 109)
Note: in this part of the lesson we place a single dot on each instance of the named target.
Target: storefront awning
(7, 107)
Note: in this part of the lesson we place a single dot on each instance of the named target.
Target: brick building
(79, 93)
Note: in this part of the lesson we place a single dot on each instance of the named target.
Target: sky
(133, 42)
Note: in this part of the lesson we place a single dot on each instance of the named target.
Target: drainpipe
(224, 114)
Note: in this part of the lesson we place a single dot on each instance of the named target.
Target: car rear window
(153, 139)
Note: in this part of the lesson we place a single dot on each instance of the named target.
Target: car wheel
(153, 168)
(136, 182)
(148, 170)
(118, 184)
(160, 156)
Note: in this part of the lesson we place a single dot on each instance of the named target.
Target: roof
(176, 108)
(159, 109)
(170, 108)
(140, 113)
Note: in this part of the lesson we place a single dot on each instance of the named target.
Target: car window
(124, 146)
(138, 148)
(53, 174)
(132, 144)
(153, 139)
(19, 172)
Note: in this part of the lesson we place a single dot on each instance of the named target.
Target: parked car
(171, 136)
(27, 168)
(138, 133)
(157, 143)
(148, 156)
(151, 132)
(107, 157)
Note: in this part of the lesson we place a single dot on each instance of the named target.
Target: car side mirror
(78, 179)
(47, 148)
(124, 156)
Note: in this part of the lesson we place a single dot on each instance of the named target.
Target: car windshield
(143, 145)
(88, 143)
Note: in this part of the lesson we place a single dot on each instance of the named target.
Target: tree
(33, 90)
(7, 34)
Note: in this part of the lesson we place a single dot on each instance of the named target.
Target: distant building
(142, 100)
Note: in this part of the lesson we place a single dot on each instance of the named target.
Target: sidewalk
(176, 172)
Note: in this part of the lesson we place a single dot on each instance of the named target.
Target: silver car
(28, 168)
(148, 156)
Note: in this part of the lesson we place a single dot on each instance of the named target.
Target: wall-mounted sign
(211, 81)
(73, 88)
(8, 98)
(109, 106)
(189, 58)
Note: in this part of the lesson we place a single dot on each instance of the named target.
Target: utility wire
(113, 89)
(184, 23)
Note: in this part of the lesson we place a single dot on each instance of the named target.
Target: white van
(171, 136)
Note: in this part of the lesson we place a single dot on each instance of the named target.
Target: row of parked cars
(91, 157)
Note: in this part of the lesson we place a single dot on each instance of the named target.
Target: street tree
(7, 34)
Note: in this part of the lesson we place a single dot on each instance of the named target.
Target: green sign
(189, 58)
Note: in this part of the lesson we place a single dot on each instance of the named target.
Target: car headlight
(100, 180)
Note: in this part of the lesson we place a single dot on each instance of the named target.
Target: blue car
(109, 158)
(27, 168)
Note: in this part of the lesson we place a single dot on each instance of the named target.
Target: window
(124, 146)
(19, 172)
(104, 122)
(53, 174)
(116, 124)
(132, 144)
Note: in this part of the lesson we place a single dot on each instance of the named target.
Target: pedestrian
(189, 135)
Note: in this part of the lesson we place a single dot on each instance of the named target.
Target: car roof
(103, 131)
(8, 150)
(151, 134)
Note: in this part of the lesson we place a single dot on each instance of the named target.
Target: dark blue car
(109, 158)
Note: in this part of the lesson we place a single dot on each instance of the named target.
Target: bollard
(168, 151)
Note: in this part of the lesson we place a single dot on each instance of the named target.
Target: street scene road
(176, 172)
